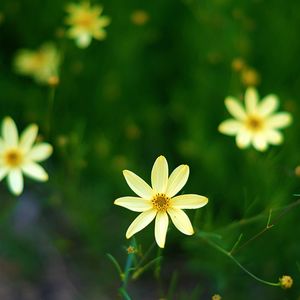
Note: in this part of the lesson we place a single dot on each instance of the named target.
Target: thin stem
(52, 92)
(239, 264)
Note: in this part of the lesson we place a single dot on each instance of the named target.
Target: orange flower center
(85, 20)
(254, 123)
(161, 202)
(13, 157)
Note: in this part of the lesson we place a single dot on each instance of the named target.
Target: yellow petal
(35, 171)
(10, 132)
(260, 142)
(274, 137)
(188, 201)
(235, 108)
(230, 127)
(159, 175)
(181, 220)
(251, 99)
(40, 152)
(268, 105)
(15, 181)
(28, 137)
(134, 203)
(161, 227)
(177, 180)
(140, 222)
(243, 139)
(279, 120)
(138, 185)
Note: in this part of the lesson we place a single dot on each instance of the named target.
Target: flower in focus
(159, 202)
(286, 282)
(257, 123)
(41, 64)
(86, 23)
(19, 155)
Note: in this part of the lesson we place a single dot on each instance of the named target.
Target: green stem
(239, 264)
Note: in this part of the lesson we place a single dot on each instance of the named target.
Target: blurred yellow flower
(139, 17)
(19, 155)
(158, 202)
(286, 281)
(256, 124)
(41, 64)
(86, 23)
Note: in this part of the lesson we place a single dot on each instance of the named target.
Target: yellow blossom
(19, 155)
(86, 23)
(286, 281)
(158, 202)
(216, 297)
(257, 123)
(41, 64)
(139, 17)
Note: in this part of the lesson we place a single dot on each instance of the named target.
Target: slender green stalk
(228, 254)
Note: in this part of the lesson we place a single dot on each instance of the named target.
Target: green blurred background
(155, 86)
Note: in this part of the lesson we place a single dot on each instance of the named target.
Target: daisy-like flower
(19, 155)
(257, 123)
(42, 64)
(159, 202)
(86, 23)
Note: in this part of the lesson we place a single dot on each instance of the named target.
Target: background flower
(19, 156)
(257, 123)
(86, 23)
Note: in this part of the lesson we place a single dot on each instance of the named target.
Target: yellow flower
(86, 23)
(286, 282)
(256, 124)
(159, 202)
(216, 297)
(19, 155)
(41, 64)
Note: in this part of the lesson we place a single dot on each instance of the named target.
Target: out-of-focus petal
(243, 139)
(15, 181)
(235, 108)
(274, 137)
(230, 127)
(268, 105)
(279, 120)
(40, 152)
(35, 171)
(10, 132)
(28, 137)
(251, 100)
(260, 142)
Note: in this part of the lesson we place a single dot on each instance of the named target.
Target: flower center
(85, 20)
(254, 123)
(13, 157)
(161, 202)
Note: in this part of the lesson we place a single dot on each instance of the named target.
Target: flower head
(158, 202)
(41, 64)
(257, 123)
(86, 23)
(19, 155)
(286, 281)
